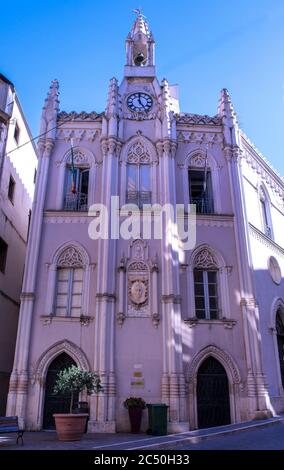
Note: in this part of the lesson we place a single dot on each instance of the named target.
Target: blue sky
(202, 46)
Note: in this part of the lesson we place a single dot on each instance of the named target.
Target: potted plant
(135, 406)
(70, 426)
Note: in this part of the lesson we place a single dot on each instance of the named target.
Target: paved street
(253, 435)
(269, 438)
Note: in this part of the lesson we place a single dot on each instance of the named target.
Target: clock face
(139, 102)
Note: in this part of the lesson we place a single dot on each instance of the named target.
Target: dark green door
(59, 403)
(213, 403)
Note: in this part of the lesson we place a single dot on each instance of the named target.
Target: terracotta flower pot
(70, 427)
(135, 417)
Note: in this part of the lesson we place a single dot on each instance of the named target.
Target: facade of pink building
(200, 329)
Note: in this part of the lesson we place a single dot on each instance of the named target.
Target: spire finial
(138, 12)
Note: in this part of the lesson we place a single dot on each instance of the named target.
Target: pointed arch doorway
(213, 400)
(58, 403)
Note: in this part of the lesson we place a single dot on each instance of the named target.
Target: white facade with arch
(233, 375)
(138, 326)
(38, 376)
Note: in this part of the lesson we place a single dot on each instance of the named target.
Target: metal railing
(204, 205)
(138, 198)
(77, 202)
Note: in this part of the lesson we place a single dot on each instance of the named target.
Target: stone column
(17, 397)
(257, 390)
(173, 383)
(103, 406)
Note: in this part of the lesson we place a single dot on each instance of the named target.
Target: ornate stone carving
(209, 138)
(261, 237)
(198, 119)
(263, 167)
(138, 280)
(205, 259)
(79, 157)
(46, 358)
(78, 134)
(140, 116)
(120, 318)
(54, 218)
(138, 250)
(197, 160)
(82, 116)
(70, 258)
(138, 153)
(138, 291)
(219, 354)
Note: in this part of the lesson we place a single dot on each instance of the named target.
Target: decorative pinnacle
(140, 25)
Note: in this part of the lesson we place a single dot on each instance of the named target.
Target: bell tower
(140, 49)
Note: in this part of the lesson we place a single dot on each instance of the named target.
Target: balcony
(77, 202)
(204, 205)
(138, 198)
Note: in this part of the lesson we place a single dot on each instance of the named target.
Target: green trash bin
(158, 419)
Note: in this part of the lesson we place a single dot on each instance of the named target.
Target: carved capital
(120, 318)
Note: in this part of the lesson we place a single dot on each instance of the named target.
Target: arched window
(76, 182)
(138, 175)
(200, 183)
(265, 213)
(205, 275)
(69, 283)
(280, 342)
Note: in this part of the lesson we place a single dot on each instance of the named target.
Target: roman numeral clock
(139, 102)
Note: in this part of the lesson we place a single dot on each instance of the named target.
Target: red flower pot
(135, 417)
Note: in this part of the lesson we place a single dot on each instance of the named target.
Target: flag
(205, 174)
(73, 171)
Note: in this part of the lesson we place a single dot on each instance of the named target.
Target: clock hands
(140, 102)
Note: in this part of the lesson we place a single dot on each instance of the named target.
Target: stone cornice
(262, 166)
(83, 319)
(214, 220)
(66, 217)
(198, 119)
(82, 116)
(78, 134)
(258, 235)
(225, 322)
(202, 136)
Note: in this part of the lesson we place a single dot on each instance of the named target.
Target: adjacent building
(18, 162)
(200, 329)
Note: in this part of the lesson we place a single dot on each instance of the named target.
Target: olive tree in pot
(70, 426)
(135, 406)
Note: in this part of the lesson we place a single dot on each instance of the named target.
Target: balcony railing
(76, 202)
(204, 205)
(138, 198)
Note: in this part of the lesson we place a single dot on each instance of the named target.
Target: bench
(10, 424)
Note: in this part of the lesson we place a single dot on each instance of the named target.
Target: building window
(17, 133)
(265, 216)
(138, 184)
(206, 294)
(3, 255)
(69, 292)
(69, 283)
(280, 343)
(200, 191)
(11, 189)
(35, 172)
(76, 189)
